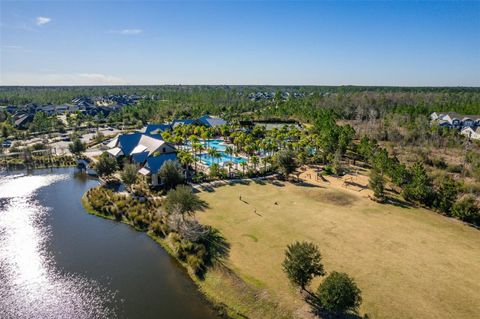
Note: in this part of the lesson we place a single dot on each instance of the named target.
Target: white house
(471, 132)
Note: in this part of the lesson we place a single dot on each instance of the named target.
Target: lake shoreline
(220, 308)
(222, 288)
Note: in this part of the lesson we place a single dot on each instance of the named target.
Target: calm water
(57, 261)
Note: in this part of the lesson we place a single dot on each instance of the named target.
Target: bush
(455, 169)
(195, 263)
(466, 209)
(328, 170)
(339, 294)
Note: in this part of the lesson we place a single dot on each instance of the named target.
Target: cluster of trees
(173, 219)
(348, 102)
(416, 185)
(337, 294)
(281, 148)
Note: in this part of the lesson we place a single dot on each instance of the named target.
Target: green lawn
(408, 262)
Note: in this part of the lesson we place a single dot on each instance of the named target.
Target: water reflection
(32, 286)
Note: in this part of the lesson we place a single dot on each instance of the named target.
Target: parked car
(6, 143)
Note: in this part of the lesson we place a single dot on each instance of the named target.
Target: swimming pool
(219, 145)
(209, 161)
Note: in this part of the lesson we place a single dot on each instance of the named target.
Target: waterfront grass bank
(228, 294)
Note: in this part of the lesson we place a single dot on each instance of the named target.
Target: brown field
(408, 262)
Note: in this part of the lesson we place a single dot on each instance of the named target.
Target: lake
(57, 261)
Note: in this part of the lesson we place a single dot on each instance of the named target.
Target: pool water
(219, 145)
(208, 160)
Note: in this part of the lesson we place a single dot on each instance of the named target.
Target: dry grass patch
(409, 263)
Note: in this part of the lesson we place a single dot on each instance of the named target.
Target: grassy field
(408, 262)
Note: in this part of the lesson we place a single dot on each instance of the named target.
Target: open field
(408, 262)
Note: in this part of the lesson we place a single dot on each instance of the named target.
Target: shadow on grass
(318, 310)
(239, 182)
(397, 202)
(218, 248)
(307, 184)
(259, 181)
(352, 183)
(208, 189)
(277, 183)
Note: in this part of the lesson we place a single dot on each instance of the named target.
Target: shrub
(339, 294)
(454, 169)
(195, 263)
(466, 209)
(328, 169)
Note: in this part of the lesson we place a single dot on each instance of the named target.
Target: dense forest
(348, 102)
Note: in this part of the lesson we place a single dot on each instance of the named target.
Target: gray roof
(211, 121)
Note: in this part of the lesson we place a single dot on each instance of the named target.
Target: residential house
(471, 132)
(455, 120)
(22, 120)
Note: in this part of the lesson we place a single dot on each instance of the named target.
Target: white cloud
(127, 31)
(42, 20)
(60, 79)
(131, 31)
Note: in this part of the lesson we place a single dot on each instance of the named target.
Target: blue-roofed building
(176, 123)
(211, 121)
(149, 151)
(153, 164)
(137, 143)
(157, 129)
(206, 120)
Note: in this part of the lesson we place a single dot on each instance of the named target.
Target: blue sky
(240, 42)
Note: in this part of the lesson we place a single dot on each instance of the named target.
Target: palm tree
(229, 165)
(255, 161)
(196, 147)
(213, 153)
(193, 140)
(204, 137)
(185, 159)
(266, 160)
(243, 164)
(229, 151)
